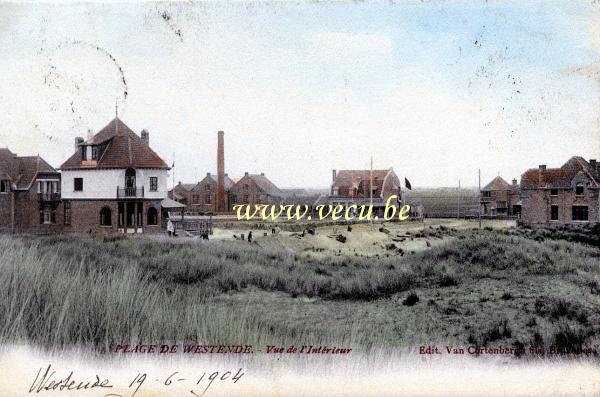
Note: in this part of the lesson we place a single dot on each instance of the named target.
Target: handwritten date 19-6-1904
(47, 380)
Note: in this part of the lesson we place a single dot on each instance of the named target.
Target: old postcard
(307, 198)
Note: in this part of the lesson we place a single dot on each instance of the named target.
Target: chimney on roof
(220, 201)
(180, 182)
(145, 135)
(514, 181)
(594, 164)
(333, 175)
(226, 174)
(78, 141)
(246, 173)
(542, 167)
(262, 174)
(208, 174)
(90, 134)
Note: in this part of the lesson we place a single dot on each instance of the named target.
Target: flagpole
(479, 212)
(173, 175)
(458, 214)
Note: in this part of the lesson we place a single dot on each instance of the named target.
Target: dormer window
(579, 189)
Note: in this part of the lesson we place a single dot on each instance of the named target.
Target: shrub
(448, 280)
(411, 299)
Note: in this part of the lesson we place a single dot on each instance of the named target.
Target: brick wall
(246, 191)
(537, 206)
(85, 217)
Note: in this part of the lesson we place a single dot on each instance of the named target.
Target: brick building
(354, 187)
(29, 195)
(565, 195)
(114, 182)
(499, 198)
(182, 193)
(204, 194)
(255, 189)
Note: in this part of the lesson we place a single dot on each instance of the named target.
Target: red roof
(536, 178)
(498, 183)
(122, 148)
(22, 170)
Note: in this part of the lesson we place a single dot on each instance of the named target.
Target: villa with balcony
(114, 182)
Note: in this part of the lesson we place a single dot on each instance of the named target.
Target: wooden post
(479, 198)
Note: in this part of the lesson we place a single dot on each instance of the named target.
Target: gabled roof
(228, 181)
(185, 186)
(123, 149)
(263, 184)
(22, 171)
(498, 183)
(361, 180)
(559, 177)
(353, 178)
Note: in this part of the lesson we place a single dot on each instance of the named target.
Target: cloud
(352, 42)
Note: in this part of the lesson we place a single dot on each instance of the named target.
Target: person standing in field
(170, 228)
(250, 237)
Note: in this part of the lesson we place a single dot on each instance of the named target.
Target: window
(246, 187)
(580, 213)
(153, 184)
(207, 199)
(105, 216)
(554, 212)
(4, 186)
(207, 187)
(579, 189)
(486, 193)
(78, 184)
(152, 216)
(47, 216)
(245, 199)
(95, 152)
(67, 212)
(196, 199)
(553, 192)
(130, 178)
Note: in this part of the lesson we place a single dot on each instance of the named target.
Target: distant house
(359, 186)
(29, 194)
(114, 182)
(255, 189)
(565, 195)
(182, 193)
(204, 194)
(500, 198)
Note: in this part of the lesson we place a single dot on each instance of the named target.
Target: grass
(482, 287)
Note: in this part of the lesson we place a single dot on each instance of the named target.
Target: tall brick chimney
(220, 201)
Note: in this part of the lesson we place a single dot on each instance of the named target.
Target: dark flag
(407, 184)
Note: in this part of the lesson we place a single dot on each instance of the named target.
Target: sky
(436, 90)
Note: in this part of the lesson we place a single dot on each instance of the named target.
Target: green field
(405, 285)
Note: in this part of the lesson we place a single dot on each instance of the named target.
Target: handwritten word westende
(361, 212)
(49, 381)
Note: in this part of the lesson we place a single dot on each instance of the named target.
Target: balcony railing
(49, 197)
(130, 192)
(485, 199)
